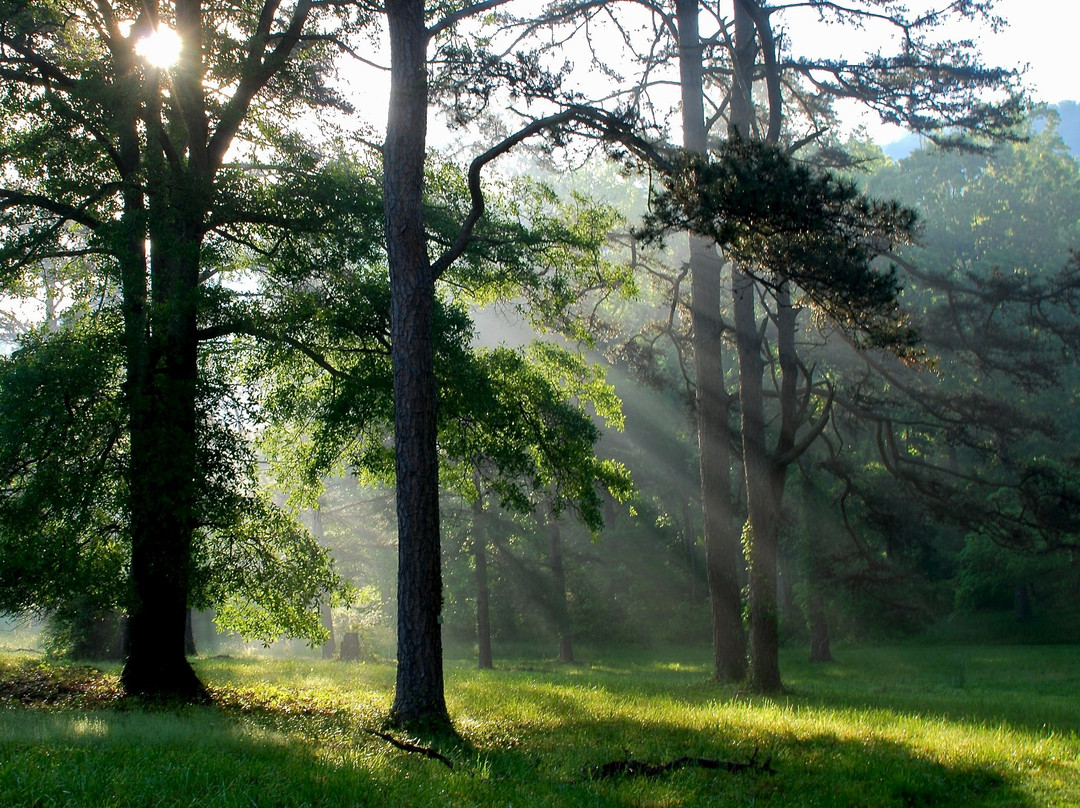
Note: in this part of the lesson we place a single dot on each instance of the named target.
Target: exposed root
(406, 746)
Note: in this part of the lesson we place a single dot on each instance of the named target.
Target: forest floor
(884, 726)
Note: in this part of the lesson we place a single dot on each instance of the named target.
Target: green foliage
(62, 459)
(265, 575)
(784, 221)
(64, 516)
(321, 365)
(518, 418)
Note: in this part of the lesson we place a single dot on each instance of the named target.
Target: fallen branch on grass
(407, 746)
(639, 768)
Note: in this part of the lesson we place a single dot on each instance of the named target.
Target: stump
(350, 647)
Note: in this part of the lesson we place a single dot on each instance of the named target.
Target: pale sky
(1044, 34)
(1041, 35)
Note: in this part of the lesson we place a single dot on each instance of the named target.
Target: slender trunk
(690, 545)
(483, 605)
(560, 603)
(819, 630)
(761, 504)
(1022, 606)
(326, 618)
(419, 701)
(189, 636)
(722, 553)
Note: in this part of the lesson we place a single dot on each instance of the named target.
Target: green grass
(899, 726)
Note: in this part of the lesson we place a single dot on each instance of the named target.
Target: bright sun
(161, 47)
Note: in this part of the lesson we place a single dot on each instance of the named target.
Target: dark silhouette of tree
(110, 156)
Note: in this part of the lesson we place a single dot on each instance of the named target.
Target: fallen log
(639, 768)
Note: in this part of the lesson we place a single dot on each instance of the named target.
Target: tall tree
(713, 402)
(418, 697)
(112, 154)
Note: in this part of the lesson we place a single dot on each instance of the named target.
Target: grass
(899, 726)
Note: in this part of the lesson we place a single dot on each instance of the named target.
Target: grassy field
(898, 726)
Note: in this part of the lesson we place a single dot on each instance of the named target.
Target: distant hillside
(1069, 129)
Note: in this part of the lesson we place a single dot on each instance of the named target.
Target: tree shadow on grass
(805, 768)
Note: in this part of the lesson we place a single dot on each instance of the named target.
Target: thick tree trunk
(163, 471)
(483, 600)
(722, 552)
(419, 701)
(560, 602)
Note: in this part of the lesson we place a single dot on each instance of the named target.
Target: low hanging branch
(598, 124)
(638, 768)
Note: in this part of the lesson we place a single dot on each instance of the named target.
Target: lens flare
(160, 48)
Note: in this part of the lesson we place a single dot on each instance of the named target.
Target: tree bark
(419, 701)
(483, 600)
(560, 603)
(326, 617)
(163, 470)
(162, 397)
(722, 552)
(819, 630)
(690, 545)
(762, 505)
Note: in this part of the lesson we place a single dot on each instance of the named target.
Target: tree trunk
(419, 701)
(326, 617)
(761, 502)
(1022, 607)
(560, 603)
(722, 552)
(161, 346)
(163, 466)
(189, 636)
(819, 630)
(350, 647)
(483, 600)
(690, 545)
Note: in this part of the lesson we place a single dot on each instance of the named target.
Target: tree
(109, 155)
(932, 86)
(713, 402)
(975, 448)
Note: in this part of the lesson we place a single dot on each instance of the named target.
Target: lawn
(896, 726)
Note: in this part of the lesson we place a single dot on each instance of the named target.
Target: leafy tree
(107, 154)
(971, 454)
(929, 85)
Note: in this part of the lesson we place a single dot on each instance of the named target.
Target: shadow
(805, 767)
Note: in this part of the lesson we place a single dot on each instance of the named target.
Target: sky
(1042, 33)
